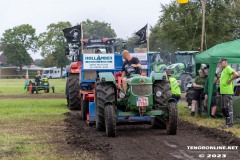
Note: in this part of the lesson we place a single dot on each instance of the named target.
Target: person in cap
(198, 86)
(226, 90)
(175, 89)
(129, 62)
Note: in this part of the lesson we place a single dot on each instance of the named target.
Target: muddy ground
(136, 142)
(143, 142)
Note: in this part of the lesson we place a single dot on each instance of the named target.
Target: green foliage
(180, 26)
(17, 42)
(52, 44)
(97, 30)
(17, 55)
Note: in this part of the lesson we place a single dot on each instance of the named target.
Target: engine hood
(139, 80)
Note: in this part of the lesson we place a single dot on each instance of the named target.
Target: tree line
(178, 28)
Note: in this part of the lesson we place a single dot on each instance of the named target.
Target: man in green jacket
(226, 91)
(175, 89)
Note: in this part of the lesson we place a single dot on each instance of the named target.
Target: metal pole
(203, 23)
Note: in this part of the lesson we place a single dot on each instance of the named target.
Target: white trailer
(52, 72)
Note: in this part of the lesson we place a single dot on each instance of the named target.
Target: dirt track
(143, 142)
(135, 142)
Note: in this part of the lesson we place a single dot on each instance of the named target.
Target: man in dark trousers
(226, 91)
(130, 63)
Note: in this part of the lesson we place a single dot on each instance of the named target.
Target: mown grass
(24, 127)
(33, 129)
(16, 86)
(184, 114)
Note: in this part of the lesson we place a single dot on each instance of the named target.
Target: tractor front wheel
(104, 92)
(159, 122)
(110, 120)
(172, 120)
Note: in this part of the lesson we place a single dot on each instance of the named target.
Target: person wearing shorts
(214, 94)
(198, 85)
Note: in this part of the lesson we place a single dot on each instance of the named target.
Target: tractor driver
(38, 77)
(129, 62)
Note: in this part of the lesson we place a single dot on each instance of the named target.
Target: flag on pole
(142, 33)
(73, 34)
(26, 80)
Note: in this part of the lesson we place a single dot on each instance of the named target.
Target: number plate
(142, 101)
(45, 83)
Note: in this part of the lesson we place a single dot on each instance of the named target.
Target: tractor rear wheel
(74, 88)
(164, 88)
(84, 108)
(36, 89)
(189, 95)
(110, 120)
(33, 88)
(185, 79)
(104, 92)
(172, 121)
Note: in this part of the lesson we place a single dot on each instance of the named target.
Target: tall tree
(52, 44)
(17, 42)
(97, 30)
(179, 27)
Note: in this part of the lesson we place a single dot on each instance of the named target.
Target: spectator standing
(226, 91)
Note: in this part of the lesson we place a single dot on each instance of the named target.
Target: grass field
(25, 127)
(16, 86)
(33, 128)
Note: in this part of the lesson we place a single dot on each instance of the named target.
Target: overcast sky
(125, 16)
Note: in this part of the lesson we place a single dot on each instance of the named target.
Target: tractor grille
(142, 90)
(89, 75)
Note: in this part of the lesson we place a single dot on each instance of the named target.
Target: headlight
(121, 94)
(159, 93)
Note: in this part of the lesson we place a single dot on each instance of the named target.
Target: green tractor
(184, 68)
(39, 84)
(147, 100)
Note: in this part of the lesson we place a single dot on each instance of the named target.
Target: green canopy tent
(229, 50)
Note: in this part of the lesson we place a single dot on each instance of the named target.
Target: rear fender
(158, 76)
(75, 67)
(106, 77)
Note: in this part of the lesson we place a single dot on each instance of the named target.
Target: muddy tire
(74, 87)
(159, 123)
(84, 108)
(185, 79)
(33, 88)
(164, 87)
(67, 92)
(104, 92)
(189, 95)
(110, 120)
(172, 121)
